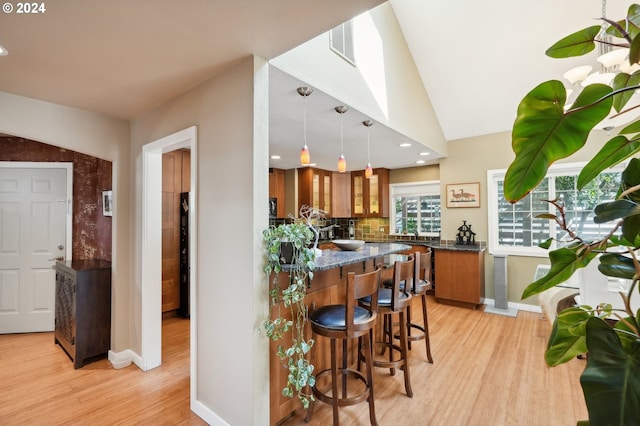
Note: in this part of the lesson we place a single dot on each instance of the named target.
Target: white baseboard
(514, 305)
(124, 358)
(207, 415)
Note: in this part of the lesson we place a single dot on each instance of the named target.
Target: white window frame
(413, 189)
(495, 176)
(342, 52)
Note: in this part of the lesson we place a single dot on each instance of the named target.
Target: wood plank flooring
(488, 370)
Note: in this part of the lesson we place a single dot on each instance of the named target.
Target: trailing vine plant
(288, 324)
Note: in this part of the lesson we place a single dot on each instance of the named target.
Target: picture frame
(107, 203)
(463, 194)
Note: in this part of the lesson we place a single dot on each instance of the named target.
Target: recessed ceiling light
(3, 51)
(275, 157)
(404, 145)
(420, 162)
(424, 153)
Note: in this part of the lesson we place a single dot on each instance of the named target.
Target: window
(415, 207)
(514, 228)
(341, 39)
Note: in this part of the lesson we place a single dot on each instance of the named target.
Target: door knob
(60, 258)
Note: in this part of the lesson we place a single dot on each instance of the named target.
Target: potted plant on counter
(544, 132)
(289, 322)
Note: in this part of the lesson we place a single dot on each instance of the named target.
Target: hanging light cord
(341, 143)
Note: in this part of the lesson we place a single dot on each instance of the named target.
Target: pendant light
(342, 162)
(305, 157)
(368, 172)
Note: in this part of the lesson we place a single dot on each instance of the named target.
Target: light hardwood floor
(488, 370)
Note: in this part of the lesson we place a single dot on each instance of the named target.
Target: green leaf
(543, 132)
(568, 337)
(614, 151)
(617, 209)
(621, 81)
(564, 262)
(634, 127)
(611, 379)
(576, 44)
(546, 244)
(617, 265)
(631, 24)
(634, 51)
(631, 227)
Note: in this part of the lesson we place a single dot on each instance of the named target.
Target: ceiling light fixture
(612, 62)
(342, 162)
(368, 171)
(424, 153)
(3, 51)
(305, 156)
(405, 145)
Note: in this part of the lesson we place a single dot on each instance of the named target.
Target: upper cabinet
(314, 189)
(276, 189)
(370, 197)
(341, 194)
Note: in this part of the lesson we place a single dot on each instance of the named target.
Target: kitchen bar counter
(335, 258)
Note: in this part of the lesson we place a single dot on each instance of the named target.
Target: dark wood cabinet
(277, 189)
(83, 309)
(460, 277)
(370, 197)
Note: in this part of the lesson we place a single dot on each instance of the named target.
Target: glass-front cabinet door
(326, 193)
(357, 191)
(374, 198)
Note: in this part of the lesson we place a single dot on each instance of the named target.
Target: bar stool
(421, 285)
(419, 288)
(395, 300)
(342, 322)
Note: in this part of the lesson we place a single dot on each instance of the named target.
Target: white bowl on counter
(349, 245)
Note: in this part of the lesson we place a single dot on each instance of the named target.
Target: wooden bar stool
(421, 285)
(342, 322)
(391, 301)
(419, 288)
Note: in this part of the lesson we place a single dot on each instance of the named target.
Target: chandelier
(613, 59)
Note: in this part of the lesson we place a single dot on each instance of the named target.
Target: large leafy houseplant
(544, 132)
(289, 325)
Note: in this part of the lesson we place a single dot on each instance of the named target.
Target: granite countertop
(444, 245)
(334, 258)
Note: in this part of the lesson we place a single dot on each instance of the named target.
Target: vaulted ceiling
(122, 58)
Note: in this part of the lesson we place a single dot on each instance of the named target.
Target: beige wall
(385, 86)
(232, 179)
(415, 174)
(99, 136)
(468, 161)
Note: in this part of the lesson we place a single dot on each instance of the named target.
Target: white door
(33, 232)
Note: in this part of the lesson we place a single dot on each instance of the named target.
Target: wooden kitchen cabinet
(276, 189)
(460, 277)
(370, 197)
(83, 309)
(341, 194)
(314, 189)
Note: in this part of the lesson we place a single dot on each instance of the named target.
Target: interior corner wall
(385, 85)
(468, 161)
(232, 177)
(100, 136)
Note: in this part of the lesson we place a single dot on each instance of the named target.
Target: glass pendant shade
(305, 157)
(342, 164)
(368, 172)
(578, 74)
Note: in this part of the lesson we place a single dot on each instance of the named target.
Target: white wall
(100, 136)
(385, 85)
(232, 181)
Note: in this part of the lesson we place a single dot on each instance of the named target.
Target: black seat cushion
(332, 316)
(389, 283)
(384, 297)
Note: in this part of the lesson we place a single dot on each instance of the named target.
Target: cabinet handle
(60, 258)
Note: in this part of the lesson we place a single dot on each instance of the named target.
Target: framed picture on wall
(107, 203)
(463, 195)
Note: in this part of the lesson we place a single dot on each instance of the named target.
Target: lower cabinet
(460, 277)
(83, 309)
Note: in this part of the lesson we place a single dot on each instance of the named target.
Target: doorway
(151, 245)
